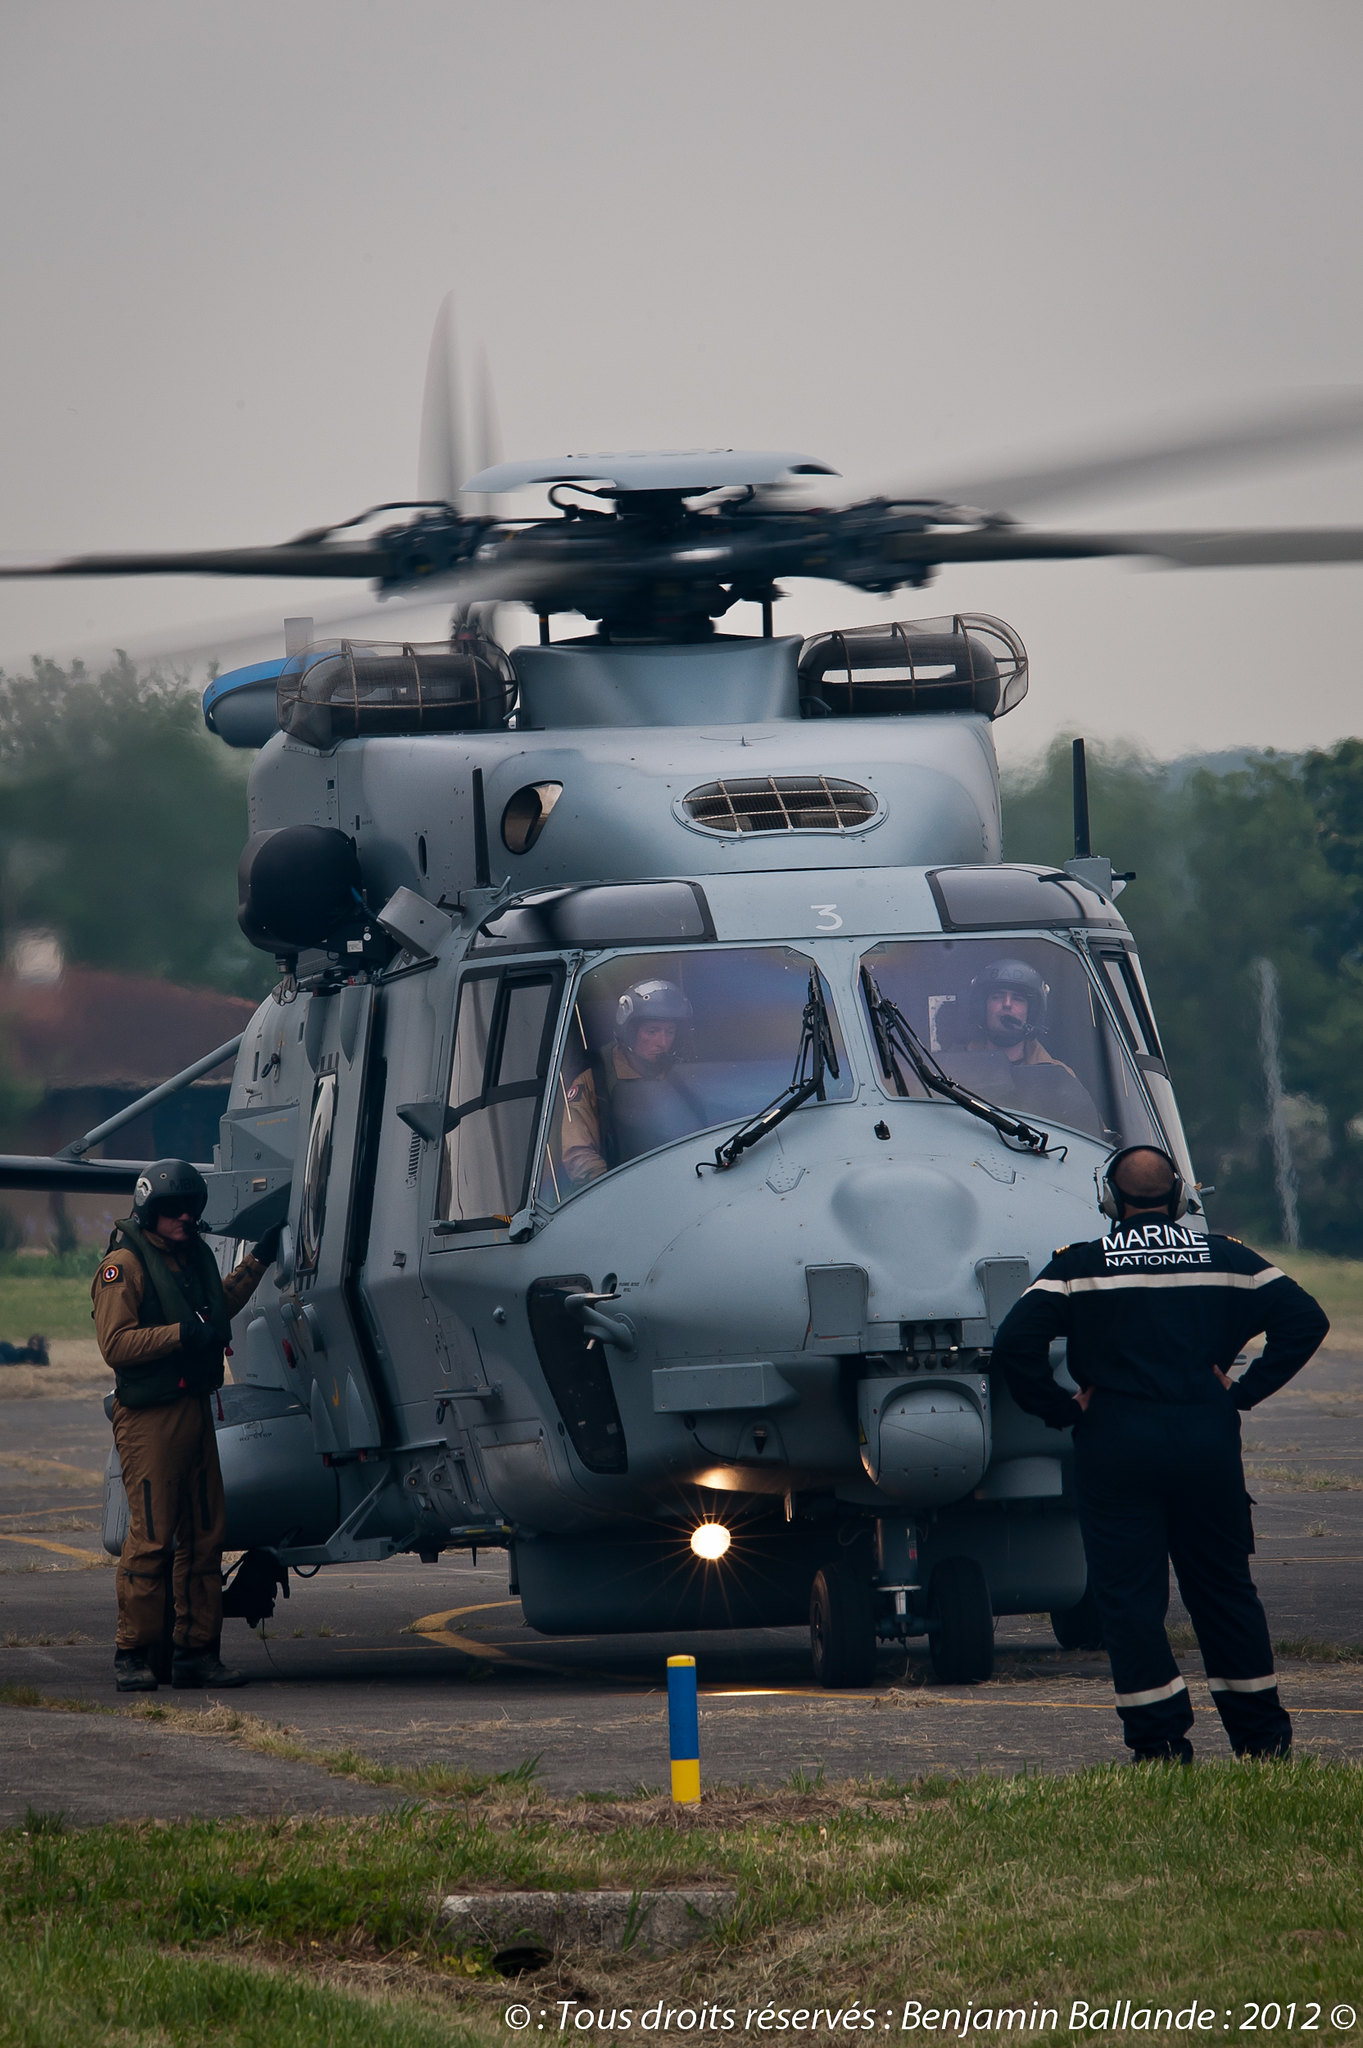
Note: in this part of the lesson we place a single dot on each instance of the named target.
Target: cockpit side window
(661, 1045)
(1128, 997)
(504, 1032)
(1019, 1022)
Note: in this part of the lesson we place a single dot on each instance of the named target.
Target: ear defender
(1110, 1197)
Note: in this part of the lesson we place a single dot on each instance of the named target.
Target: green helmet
(168, 1181)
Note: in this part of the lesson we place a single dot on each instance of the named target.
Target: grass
(1336, 1283)
(1297, 1479)
(55, 1303)
(1225, 1884)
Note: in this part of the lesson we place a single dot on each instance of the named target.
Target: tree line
(1259, 861)
(121, 820)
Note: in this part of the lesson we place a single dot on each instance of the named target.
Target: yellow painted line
(68, 1507)
(434, 1628)
(43, 1543)
(37, 1468)
(361, 1649)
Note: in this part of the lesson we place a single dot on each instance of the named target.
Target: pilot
(162, 1316)
(1008, 1004)
(648, 1018)
(1155, 1315)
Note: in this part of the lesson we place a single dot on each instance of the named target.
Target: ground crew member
(163, 1315)
(648, 1017)
(1155, 1315)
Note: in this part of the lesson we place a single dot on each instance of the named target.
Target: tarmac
(417, 1665)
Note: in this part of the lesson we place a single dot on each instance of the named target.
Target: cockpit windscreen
(1019, 1022)
(663, 1044)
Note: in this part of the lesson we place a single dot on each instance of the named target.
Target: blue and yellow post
(683, 1729)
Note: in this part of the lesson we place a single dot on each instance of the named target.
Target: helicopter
(668, 1087)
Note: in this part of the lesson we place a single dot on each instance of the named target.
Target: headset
(1111, 1198)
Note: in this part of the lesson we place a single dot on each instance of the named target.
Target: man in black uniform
(1154, 1315)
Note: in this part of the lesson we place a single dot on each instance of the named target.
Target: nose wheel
(960, 1623)
(842, 1626)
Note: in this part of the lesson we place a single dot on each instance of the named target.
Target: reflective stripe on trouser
(176, 1522)
(1159, 1483)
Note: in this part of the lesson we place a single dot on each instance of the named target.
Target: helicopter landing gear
(842, 1626)
(1078, 1627)
(960, 1623)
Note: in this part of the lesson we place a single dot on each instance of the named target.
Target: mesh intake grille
(780, 803)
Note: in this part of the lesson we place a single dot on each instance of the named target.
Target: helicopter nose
(914, 1227)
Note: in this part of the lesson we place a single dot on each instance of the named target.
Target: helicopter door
(332, 1202)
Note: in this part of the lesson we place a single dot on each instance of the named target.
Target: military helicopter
(668, 1088)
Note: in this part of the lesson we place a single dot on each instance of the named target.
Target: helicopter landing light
(710, 1540)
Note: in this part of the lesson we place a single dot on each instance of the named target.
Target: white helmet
(649, 1002)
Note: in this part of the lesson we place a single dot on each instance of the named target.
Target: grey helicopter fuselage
(472, 1340)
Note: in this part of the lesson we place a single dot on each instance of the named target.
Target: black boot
(198, 1668)
(133, 1671)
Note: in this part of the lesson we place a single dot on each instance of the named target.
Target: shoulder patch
(111, 1273)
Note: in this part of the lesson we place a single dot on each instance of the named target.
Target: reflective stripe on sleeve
(1157, 1692)
(1243, 1684)
(1103, 1283)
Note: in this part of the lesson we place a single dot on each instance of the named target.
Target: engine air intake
(969, 662)
(348, 689)
(780, 803)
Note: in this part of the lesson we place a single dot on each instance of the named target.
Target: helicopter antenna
(1083, 844)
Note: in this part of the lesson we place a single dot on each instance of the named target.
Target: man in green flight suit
(163, 1317)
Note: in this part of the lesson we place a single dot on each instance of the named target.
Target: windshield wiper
(816, 1057)
(893, 1031)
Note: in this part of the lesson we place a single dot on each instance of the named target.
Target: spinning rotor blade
(1271, 435)
(442, 459)
(1246, 548)
(290, 558)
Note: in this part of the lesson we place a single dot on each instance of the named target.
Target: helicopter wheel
(842, 1626)
(1078, 1627)
(960, 1623)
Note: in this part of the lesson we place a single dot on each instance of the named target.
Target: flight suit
(164, 1429)
(581, 1149)
(1034, 1054)
(1150, 1313)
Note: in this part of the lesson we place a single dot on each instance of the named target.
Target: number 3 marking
(829, 921)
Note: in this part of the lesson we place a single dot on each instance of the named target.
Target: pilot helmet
(1018, 979)
(169, 1184)
(649, 1002)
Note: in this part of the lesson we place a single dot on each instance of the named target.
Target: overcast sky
(907, 238)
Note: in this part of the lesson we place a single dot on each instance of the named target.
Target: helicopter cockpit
(1017, 1021)
(565, 1070)
(661, 1045)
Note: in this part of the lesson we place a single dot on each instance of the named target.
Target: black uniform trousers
(1161, 1482)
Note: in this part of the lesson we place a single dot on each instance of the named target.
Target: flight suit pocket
(1247, 1512)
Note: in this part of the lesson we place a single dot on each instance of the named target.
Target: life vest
(173, 1296)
